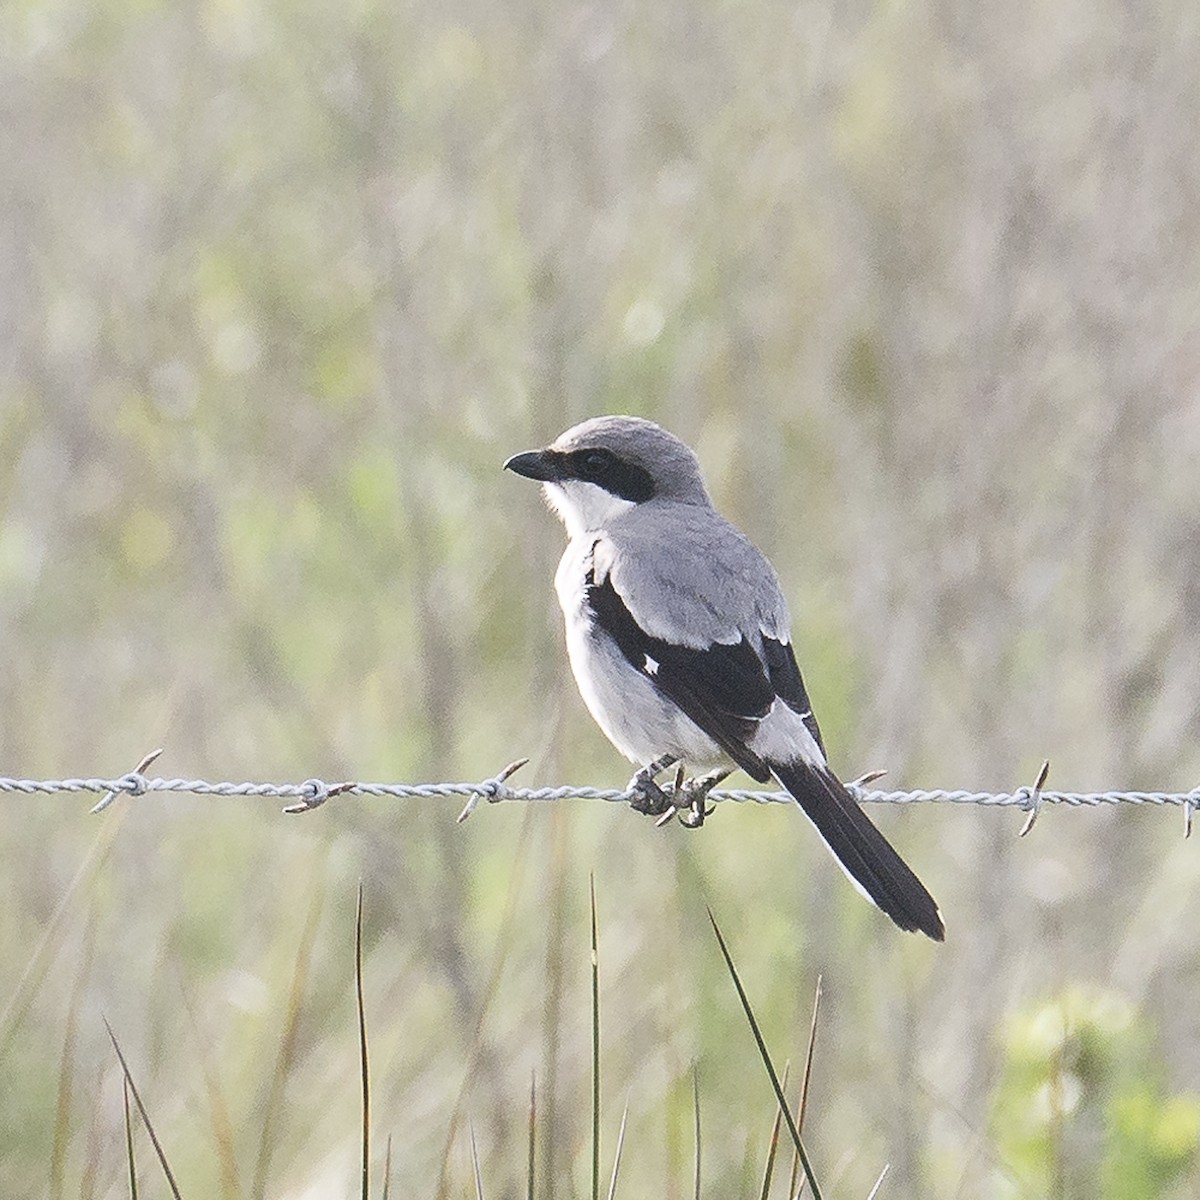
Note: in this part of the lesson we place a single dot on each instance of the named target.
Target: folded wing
(729, 689)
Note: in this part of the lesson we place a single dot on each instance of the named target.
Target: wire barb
(868, 777)
(493, 790)
(1034, 803)
(314, 793)
(134, 784)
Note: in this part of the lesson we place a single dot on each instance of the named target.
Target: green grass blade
(612, 1183)
(595, 1050)
(762, 1049)
(362, 1047)
(696, 1111)
(220, 1119)
(555, 1132)
(129, 1141)
(387, 1169)
(162, 1158)
(879, 1182)
(532, 1142)
(802, 1108)
(93, 1151)
(287, 1046)
(773, 1144)
(66, 1071)
(475, 1164)
(504, 941)
(34, 973)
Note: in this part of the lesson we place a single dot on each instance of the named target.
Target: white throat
(584, 507)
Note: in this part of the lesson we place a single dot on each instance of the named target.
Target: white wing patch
(650, 666)
(782, 736)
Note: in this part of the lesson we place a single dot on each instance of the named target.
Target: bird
(679, 638)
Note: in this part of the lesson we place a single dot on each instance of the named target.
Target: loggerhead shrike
(678, 635)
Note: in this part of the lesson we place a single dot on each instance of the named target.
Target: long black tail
(864, 853)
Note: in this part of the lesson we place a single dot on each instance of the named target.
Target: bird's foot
(649, 798)
(690, 798)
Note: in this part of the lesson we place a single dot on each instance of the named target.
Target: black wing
(727, 690)
(724, 688)
(789, 685)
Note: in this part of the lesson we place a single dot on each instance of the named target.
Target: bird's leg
(695, 794)
(650, 798)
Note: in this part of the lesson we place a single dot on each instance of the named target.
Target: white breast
(584, 507)
(622, 698)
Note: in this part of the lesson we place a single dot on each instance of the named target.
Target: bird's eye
(593, 463)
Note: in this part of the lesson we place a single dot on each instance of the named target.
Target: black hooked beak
(534, 464)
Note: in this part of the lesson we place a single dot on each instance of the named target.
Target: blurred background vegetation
(281, 286)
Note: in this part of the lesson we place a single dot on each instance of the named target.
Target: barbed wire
(312, 793)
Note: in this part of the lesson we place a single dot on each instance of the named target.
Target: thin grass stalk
(808, 1055)
(499, 959)
(595, 1048)
(218, 1111)
(475, 1163)
(532, 1139)
(773, 1144)
(133, 1189)
(387, 1169)
(364, 1061)
(162, 1158)
(879, 1182)
(672, 1139)
(38, 963)
(66, 1071)
(612, 1183)
(287, 1047)
(766, 1057)
(554, 1132)
(93, 1151)
(746, 1171)
(696, 1112)
(802, 1107)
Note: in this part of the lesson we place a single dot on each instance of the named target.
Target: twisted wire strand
(313, 792)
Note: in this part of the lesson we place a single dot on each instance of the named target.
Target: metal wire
(312, 793)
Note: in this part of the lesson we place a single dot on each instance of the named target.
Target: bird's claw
(694, 815)
(685, 798)
(696, 809)
(649, 798)
(688, 799)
